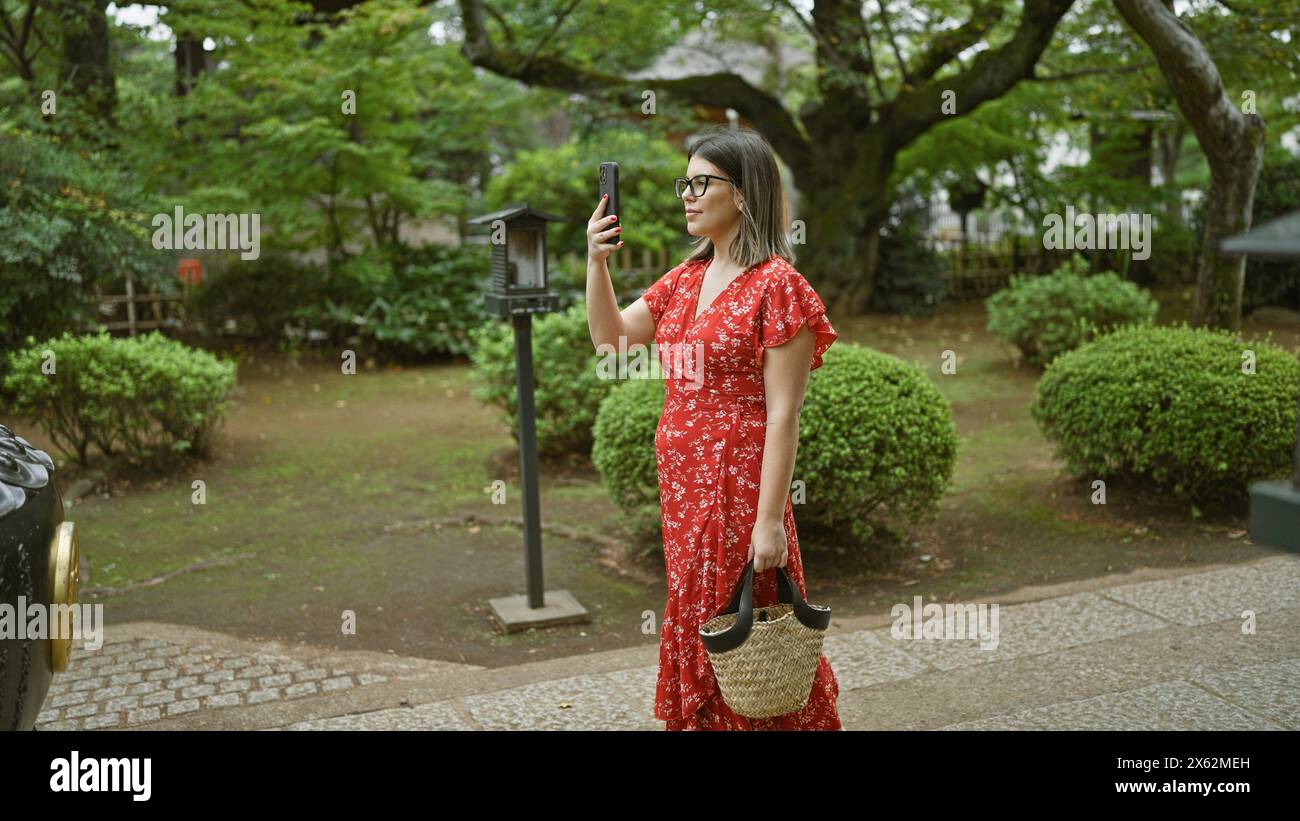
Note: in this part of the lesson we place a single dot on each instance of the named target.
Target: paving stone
(101, 721)
(304, 689)
(198, 691)
(70, 698)
(331, 685)
(260, 696)
(162, 697)
(144, 714)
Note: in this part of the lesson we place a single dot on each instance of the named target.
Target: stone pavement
(1154, 649)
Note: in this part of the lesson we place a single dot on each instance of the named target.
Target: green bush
(432, 301)
(877, 444)
(1044, 316)
(149, 395)
(567, 387)
(69, 223)
(405, 303)
(624, 452)
(1172, 405)
(261, 296)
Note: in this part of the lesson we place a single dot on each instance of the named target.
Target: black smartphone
(609, 185)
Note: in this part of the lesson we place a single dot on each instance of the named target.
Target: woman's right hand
(602, 233)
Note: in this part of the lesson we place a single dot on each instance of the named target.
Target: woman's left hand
(767, 546)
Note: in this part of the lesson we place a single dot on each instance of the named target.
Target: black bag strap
(742, 603)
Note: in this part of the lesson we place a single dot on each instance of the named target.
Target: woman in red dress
(745, 330)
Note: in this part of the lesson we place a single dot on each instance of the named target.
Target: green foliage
(1172, 405)
(877, 444)
(431, 303)
(567, 386)
(1277, 192)
(1045, 316)
(563, 181)
(623, 451)
(404, 303)
(909, 274)
(69, 223)
(149, 395)
(338, 131)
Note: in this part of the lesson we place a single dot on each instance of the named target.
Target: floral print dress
(709, 449)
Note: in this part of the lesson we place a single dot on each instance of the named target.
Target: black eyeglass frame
(680, 184)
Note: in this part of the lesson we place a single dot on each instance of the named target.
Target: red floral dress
(709, 448)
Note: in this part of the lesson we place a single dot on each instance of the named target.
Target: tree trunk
(1233, 143)
(86, 68)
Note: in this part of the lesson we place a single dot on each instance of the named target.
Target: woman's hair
(744, 155)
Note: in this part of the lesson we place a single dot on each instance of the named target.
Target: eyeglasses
(698, 184)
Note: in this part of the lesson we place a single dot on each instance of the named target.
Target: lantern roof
(515, 211)
(1276, 238)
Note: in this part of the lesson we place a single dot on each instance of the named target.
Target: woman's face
(715, 213)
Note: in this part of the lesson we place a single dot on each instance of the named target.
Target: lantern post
(518, 290)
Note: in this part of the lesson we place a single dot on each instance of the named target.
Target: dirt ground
(331, 494)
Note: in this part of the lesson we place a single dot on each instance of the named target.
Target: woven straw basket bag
(765, 659)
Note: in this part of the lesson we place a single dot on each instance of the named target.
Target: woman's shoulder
(779, 272)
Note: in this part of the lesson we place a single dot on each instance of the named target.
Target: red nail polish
(616, 230)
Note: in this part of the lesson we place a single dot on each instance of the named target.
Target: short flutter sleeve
(658, 294)
(788, 303)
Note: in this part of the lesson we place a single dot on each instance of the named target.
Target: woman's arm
(786, 368)
(605, 321)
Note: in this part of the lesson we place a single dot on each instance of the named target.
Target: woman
(725, 448)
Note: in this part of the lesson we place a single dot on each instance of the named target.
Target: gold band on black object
(65, 585)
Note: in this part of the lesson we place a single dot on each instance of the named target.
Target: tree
(843, 144)
(1233, 142)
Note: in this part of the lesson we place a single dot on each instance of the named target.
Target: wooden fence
(159, 305)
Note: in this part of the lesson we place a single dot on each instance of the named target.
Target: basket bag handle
(742, 603)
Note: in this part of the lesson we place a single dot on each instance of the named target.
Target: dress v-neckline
(699, 290)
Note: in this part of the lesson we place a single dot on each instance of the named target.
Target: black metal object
(519, 289)
(31, 513)
(519, 278)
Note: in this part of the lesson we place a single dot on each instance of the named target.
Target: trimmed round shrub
(567, 387)
(624, 450)
(1172, 405)
(146, 395)
(1044, 316)
(877, 444)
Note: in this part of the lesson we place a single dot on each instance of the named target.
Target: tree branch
(948, 44)
(1191, 73)
(893, 44)
(991, 74)
(719, 90)
(559, 21)
(1088, 72)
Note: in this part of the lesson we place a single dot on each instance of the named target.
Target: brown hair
(744, 155)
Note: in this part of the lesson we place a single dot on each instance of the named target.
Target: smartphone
(609, 185)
